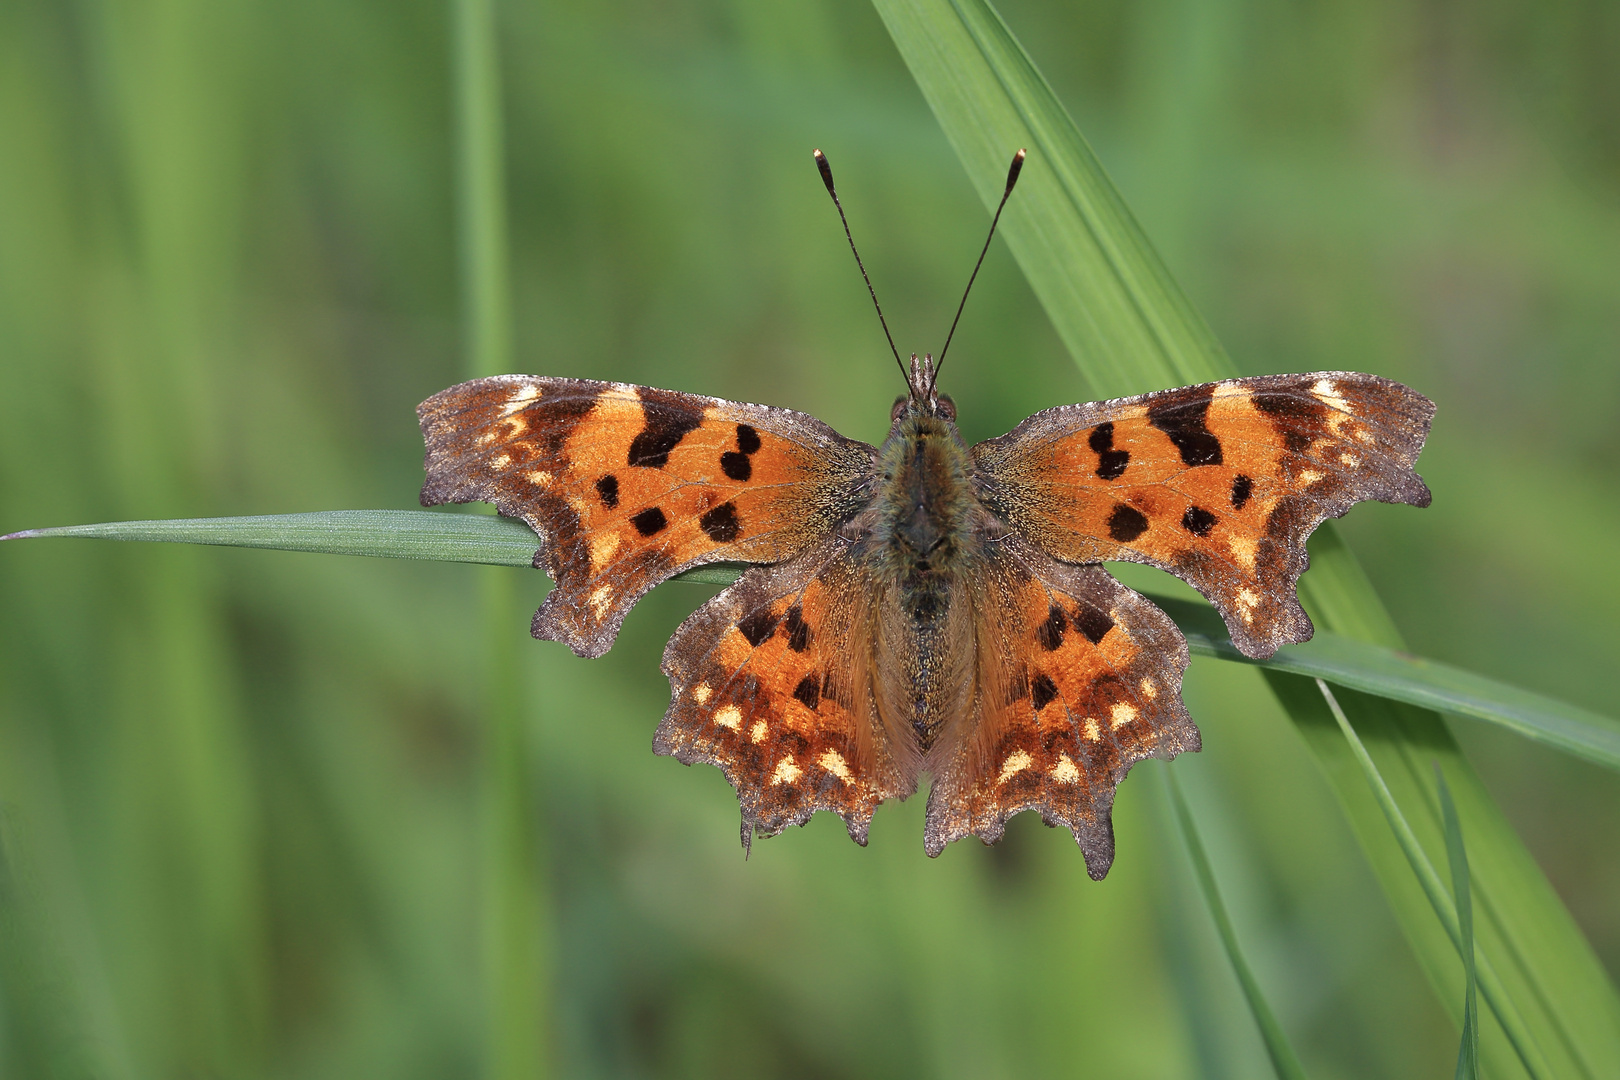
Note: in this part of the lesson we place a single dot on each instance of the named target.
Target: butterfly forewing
(1220, 484)
(627, 485)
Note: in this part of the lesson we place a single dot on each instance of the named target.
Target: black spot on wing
(650, 521)
(721, 524)
(669, 418)
(1042, 690)
(1198, 521)
(1126, 523)
(1279, 404)
(809, 691)
(756, 626)
(1092, 622)
(557, 418)
(798, 631)
(1242, 488)
(735, 465)
(1111, 463)
(1050, 633)
(607, 489)
(747, 439)
(1182, 417)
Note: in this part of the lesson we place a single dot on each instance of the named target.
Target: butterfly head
(922, 397)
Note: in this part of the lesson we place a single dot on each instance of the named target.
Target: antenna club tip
(1016, 167)
(826, 172)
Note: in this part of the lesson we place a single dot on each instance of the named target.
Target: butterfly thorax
(924, 510)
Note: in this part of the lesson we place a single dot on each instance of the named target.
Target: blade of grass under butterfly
(498, 541)
(1457, 854)
(1283, 1058)
(1445, 909)
(1130, 329)
(515, 913)
(1400, 676)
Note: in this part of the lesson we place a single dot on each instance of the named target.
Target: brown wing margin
(1219, 484)
(627, 486)
(1079, 679)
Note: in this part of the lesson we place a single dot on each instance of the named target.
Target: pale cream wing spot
(1065, 771)
(701, 693)
(1093, 731)
(601, 599)
(501, 461)
(521, 399)
(1247, 600)
(1245, 550)
(834, 763)
(603, 547)
(1121, 714)
(1349, 459)
(786, 772)
(539, 477)
(728, 716)
(756, 734)
(1150, 689)
(1016, 762)
(1309, 477)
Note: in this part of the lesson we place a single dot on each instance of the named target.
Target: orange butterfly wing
(628, 486)
(1219, 484)
(1079, 678)
(770, 681)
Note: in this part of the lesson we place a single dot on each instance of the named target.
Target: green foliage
(242, 790)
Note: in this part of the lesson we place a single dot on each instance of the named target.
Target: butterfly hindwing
(769, 682)
(1079, 678)
(1220, 484)
(628, 485)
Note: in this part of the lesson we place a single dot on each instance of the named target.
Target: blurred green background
(239, 789)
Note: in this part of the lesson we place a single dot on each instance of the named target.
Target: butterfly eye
(898, 410)
(947, 408)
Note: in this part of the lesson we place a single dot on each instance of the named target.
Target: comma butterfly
(925, 606)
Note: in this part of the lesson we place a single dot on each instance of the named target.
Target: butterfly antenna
(826, 178)
(1012, 178)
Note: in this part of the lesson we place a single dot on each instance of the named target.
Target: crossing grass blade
(1457, 855)
(498, 541)
(1283, 1058)
(1130, 329)
(1446, 910)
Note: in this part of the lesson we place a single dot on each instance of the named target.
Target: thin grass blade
(1524, 1043)
(1283, 1058)
(1457, 854)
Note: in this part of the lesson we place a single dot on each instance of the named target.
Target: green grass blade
(515, 900)
(1130, 329)
(1457, 855)
(497, 541)
(1283, 1058)
(394, 534)
(1524, 1043)
(1400, 676)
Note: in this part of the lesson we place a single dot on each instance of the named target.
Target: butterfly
(926, 606)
